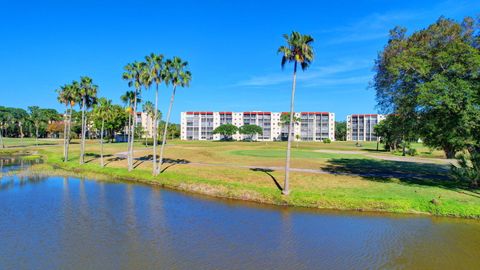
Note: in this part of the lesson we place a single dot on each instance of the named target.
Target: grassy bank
(428, 192)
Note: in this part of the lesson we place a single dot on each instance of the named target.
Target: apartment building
(146, 122)
(313, 126)
(360, 127)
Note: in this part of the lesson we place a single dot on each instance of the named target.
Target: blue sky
(231, 47)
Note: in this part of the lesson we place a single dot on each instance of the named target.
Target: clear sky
(231, 47)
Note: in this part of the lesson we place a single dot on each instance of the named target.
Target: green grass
(345, 192)
(295, 154)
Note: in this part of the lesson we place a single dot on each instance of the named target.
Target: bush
(468, 168)
(327, 140)
(412, 152)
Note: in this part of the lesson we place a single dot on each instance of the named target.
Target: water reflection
(71, 223)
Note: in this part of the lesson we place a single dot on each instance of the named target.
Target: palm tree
(88, 96)
(73, 96)
(149, 111)
(65, 96)
(102, 111)
(299, 51)
(156, 68)
(176, 74)
(133, 74)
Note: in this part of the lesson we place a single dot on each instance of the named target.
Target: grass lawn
(212, 168)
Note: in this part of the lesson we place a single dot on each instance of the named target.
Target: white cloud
(313, 76)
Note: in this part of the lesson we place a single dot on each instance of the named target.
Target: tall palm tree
(156, 67)
(74, 97)
(299, 51)
(102, 111)
(177, 74)
(62, 98)
(88, 96)
(133, 74)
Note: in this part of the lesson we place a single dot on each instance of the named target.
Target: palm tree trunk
(65, 134)
(164, 137)
(36, 135)
(101, 144)
(20, 125)
(1, 139)
(133, 130)
(69, 130)
(82, 142)
(155, 133)
(128, 136)
(286, 190)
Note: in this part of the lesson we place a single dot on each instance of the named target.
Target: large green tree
(226, 130)
(298, 51)
(250, 130)
(341, 131)
(431, 81)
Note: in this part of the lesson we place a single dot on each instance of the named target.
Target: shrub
(412, 152)
(468, 168)
(327, 140)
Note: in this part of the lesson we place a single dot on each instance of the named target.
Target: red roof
(208, 113)
(314, 113)
(225, 112)
(364, 114)
(261, 113)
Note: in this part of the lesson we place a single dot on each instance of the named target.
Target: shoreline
(216, 188)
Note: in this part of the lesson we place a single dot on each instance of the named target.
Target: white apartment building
(147, 124)
(360, 127)
(313, 126)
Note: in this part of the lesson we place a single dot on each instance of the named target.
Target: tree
(102, 112)
(88, 96)
(250, 130)
(174, 131)
(177, 74)
(67, 95)
(285, 119)
(341, 131)
(157, 75)
(226, 130)
(37, 118)
(389, 132)
(430, 79)
(468, 168)
(298, 50)
(134, 73)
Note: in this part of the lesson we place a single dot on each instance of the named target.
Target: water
(71, 223)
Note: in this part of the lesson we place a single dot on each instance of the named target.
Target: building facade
(313, 126)
(360, 127)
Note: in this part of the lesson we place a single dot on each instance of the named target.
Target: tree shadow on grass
(409, 173)
(173, 162)
(268, 172)
(110, 160)
(95, 156)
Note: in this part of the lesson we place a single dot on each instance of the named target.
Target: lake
(72, 223)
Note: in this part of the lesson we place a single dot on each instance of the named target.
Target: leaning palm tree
(299, 51)
(156, 68)
(133, 74)
(177, 74)
(102, 112)
(88, 96)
